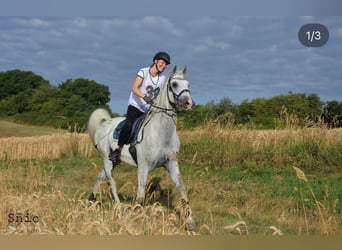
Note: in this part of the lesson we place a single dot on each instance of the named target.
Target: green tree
(30, 98)
(16, 104)
(42, 95)
(78, 98)
(93, 93)
(294, 109)
(332, 114)
(13, 82)
(244, 112)
(16, 90)
(315, 106)
(199, 115)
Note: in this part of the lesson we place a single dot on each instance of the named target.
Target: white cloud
(238, 57)
(162, 22)
(80, 22)
(63, 66)
(31, 22)
(208, 44)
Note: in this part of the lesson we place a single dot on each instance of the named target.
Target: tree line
(282, 111)
(29, 98)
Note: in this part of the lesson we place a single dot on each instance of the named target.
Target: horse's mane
(160, 100)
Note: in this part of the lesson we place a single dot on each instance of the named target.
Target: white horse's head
(178, 89)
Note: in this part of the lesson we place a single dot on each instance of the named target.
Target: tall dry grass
(61, 208)
(224, 144)
(224, 148)
(317, 150)
(47, 205)
(259, 138)
(239, 206)
(47, 147)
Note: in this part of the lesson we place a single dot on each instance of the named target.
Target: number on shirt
(152, 92)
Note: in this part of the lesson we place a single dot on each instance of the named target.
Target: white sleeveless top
(150, 86)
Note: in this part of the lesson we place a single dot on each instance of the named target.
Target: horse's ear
(185, 69)
(174, 69)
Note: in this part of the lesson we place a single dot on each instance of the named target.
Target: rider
(147, 85)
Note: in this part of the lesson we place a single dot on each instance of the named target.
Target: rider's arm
(135, 88)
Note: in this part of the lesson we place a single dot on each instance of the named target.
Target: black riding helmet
(162, 55)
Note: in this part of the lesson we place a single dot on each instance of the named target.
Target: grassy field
(8, 129)
(277, 182)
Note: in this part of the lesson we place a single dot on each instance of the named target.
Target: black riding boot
(114, 156)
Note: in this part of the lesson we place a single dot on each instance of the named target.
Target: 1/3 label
(313, 35)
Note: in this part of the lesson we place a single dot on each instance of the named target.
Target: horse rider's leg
(173, 169)
(101, 177)
(108, 167)
(142, 179)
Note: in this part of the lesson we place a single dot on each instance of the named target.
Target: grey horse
(158, 140)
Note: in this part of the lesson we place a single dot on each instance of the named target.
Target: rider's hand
(148, 99)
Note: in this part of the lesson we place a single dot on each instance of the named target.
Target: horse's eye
(174, 84)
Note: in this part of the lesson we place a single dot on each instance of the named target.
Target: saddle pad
(135, 129)
(117, 130)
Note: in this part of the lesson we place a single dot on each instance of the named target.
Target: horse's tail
(96, 118)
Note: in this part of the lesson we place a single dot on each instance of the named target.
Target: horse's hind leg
(105, 173)
(101, 177)
(108, 167)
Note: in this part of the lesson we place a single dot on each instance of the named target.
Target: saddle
(134, 134)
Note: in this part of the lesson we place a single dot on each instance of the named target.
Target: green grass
(9, 129)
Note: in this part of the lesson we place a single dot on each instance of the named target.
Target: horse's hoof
(190, 225)
(92, 197)
(140, 201)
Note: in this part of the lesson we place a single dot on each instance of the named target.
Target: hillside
(9, 129)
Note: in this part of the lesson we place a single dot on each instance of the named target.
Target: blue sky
(228, 56)
(174, 8)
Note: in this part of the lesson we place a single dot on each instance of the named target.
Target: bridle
(171, 112)
(175, 95)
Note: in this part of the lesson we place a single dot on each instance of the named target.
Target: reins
(174, 105)
(150, 112)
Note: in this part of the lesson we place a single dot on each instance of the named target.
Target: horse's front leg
(172, 167)
(143, 171)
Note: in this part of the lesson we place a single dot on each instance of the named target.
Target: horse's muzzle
(188, 104)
